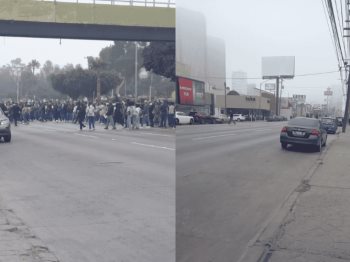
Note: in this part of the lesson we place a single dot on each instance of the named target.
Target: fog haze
(60, 52)
(253, 29)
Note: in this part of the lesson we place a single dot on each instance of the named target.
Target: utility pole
(346, 114)
(280, 101)
(225, 98)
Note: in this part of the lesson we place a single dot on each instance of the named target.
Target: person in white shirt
(90, 113)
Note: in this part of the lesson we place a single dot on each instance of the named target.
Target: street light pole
(260, 96)
(150, 87)
(135, 72)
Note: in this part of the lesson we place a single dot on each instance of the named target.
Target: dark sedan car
(5, 127)
(330, 124)
(202, 118)
(304, 131)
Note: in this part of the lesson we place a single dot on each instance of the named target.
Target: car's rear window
(327, 120)
(307, 122)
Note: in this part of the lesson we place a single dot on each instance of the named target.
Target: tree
(159, 57)
(33, 65)
(120, 58)
(80, 82)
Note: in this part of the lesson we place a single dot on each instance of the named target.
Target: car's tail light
(284, 130)
(315, 132)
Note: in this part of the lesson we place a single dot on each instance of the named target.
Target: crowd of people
(127, 113)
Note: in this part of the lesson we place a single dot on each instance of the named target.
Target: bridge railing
(145, 3)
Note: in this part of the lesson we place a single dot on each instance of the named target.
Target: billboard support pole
(277, 95)
(225, 98)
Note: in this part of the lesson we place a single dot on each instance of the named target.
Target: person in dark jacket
(109, 114)
(81, 115)
(16, 113)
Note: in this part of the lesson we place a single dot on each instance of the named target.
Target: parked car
(183, 119)
(5, 127)
(339, 120)
(330, 124)
(221, 119)
(276, 118)
(304, 131)
(202, 118)
(249, 118)
(238, 117)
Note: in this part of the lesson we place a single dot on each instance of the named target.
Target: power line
(329, 28)
(335, 32)
(257, 78)
(341, 27)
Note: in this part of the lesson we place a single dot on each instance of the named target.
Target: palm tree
(33, 65)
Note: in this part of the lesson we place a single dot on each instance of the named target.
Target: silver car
(5, 127)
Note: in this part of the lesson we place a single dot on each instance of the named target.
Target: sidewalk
(17, 243)
(316, 226)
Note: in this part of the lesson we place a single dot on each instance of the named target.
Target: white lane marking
(208, 137)
(86, 135)
(264, 129)
(154, 146)
(155, 134)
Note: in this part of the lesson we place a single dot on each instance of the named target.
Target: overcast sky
(59, 52)
(256, 28)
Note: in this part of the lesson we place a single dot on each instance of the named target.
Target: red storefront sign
(185, 91)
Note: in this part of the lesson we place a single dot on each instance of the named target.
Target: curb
(261, 246)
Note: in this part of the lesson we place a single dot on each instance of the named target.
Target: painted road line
(154, 146)
(90, 136)
(155, 134)
(208, 137)
(265, 129)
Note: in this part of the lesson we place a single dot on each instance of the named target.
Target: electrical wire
(340, 25)
(328, 8)
(335, 32)
(329, 28)
(248, 78)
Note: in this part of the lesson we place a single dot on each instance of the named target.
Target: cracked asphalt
(317, 228)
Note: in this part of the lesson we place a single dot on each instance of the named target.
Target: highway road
(230, 180)
(104, 195)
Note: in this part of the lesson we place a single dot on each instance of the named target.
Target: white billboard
(278, 66)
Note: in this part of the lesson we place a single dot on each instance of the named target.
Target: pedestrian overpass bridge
(131, 20)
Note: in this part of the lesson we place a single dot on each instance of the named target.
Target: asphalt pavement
(313, 225)
(231, 180)
(103, 195)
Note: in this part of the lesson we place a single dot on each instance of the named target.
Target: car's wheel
(191, 121)
(319, 147)
(212, 121)
(201, 121)
(284, 145)
(7, 139)
(177, 121)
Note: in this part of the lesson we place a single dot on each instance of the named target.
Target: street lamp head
(143, 73)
